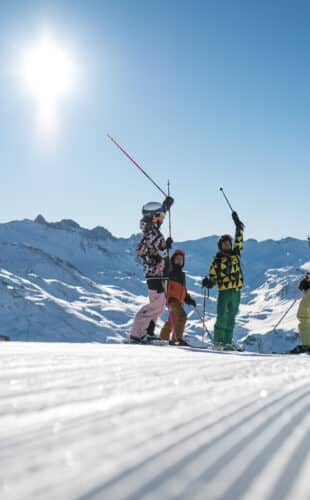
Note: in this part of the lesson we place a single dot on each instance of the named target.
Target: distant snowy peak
(40, 220)
(97, 233)
(60, 281)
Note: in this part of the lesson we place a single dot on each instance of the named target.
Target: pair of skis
(154, 340)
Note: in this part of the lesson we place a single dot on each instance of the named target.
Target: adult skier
(177, 294)
(226, 273)
(303, 313)
(153, 250)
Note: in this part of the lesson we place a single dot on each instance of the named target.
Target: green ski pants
(228, 302)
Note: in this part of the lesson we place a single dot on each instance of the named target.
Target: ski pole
(204, 326)
(169, 210)
(204, 312)
(136, 164)
(229, 204)
(227, 200)
(283, 316)
(169, 217)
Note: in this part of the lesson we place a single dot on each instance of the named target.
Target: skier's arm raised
(238, 247)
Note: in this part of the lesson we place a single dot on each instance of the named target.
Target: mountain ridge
(72, 225)
(59, 281)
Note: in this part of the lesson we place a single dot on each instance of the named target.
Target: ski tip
(109, 137)
(221, 189)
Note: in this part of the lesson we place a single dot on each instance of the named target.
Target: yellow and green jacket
(225, 270)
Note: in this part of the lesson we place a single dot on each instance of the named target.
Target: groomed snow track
(91, 421)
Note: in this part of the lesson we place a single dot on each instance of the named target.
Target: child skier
(225, 271)
(303, 314)
(153, 250)
(176, 296)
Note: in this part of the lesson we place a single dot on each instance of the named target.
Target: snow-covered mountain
(61, 282)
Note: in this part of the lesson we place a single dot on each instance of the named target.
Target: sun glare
(48, 70)
(48, 73)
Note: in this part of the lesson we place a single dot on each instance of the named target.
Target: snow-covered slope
(61, 282)
(91, 421)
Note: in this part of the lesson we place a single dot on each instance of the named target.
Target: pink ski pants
(149, 312)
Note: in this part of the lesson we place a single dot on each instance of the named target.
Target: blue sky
(206, 93)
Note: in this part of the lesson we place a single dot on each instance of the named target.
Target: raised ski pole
(283, 316)
(227, 200)
(169, 210)
(137, 165)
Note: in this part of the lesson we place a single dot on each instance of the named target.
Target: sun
(48, 74)
(48, 69)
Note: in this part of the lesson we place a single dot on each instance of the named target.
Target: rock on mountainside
(61, 282)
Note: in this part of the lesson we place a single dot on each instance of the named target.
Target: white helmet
(152, 208)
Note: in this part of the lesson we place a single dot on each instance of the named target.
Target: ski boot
(228, 347)
(138, 340)
(218, 346)
(146, 339)
(151, 329)
(179, 342)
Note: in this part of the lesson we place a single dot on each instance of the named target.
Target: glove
(168, 202)
(169, 242)
(236, 220)
(189, 301)
(207, 283)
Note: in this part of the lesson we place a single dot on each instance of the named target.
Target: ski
(300, 349)
(159, 342)
(150, 341)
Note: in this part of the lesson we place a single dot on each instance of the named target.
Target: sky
(206, 93)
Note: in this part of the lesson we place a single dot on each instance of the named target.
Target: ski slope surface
(106, 421)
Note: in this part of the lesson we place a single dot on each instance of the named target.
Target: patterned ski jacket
(152, 249)
(225, 270)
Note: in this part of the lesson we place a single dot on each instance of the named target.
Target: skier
(226, 272)
(303, 313)
(153, 250)
(176, 296)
